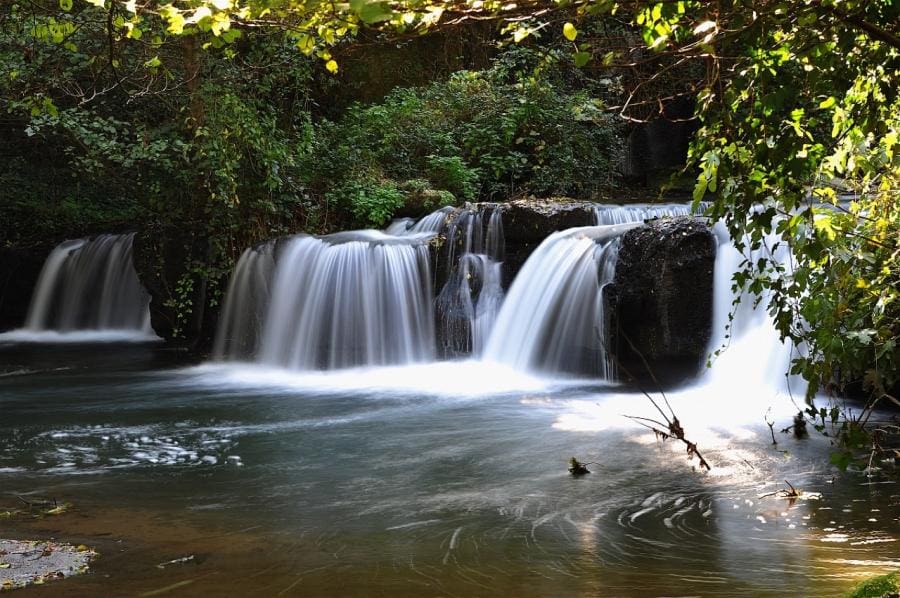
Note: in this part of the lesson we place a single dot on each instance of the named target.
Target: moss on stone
(883, 586)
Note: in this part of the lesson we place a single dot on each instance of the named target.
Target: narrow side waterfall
(90, 284)
(246, 302)
(350, 299)
(751, 353)
(553, 319)
(470, 300)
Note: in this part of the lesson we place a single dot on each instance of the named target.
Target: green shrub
(877, 587)
(453, 175)
(518, 127)
(372, 202)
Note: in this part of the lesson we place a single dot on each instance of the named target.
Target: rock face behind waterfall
(19, 272)
(662, 296)
(161, 259)
(526, 223)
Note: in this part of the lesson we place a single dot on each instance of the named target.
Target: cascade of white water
(246, 302)
(399, 226)
(432, 223)
(343, 300)
(90, 284)
(750, 351)
(470, 300)
(553, 318)
(624, 214)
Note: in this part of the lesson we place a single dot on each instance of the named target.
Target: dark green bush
(520, 127)
(372, 202)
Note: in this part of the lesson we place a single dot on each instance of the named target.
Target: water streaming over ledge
(627, 214)
(553, 319)
(365, 298)
(470, 300)
(359, 298)
(746, 348)
(90, 285)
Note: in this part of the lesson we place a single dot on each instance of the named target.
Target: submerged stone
(32, 562)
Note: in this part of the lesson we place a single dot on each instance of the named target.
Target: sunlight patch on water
(449, 378)
(701, 408)
(77, 336)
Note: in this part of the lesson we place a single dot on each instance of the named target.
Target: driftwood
(577, 468)
(792, 495)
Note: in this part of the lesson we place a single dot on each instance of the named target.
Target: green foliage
(811, 114)
(877, 587)
(453, 175)
(372, 202)
(518, 127)
(799, 150)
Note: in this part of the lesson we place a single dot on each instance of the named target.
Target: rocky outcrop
(181, 304)
(661, 297)
(527, 222)
(656, 149)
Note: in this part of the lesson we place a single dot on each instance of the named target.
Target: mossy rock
(883, 586)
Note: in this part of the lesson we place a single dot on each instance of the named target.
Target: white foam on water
(23, 335)
(446, 378)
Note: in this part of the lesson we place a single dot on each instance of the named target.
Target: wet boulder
(662, 295)
(182, 310)
(527, 222)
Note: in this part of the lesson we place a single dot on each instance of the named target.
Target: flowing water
(559, 293)
(348, 299)
(88, 290)
(271, 477)
(470, 300)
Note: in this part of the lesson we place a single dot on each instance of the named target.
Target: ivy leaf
(581, 58)
(66, 5)
(521, 33)
(700, 188)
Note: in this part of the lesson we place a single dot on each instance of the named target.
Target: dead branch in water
(792, 495)
(672, 427)
(771, 424)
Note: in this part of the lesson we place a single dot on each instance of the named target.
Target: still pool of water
(440, 480)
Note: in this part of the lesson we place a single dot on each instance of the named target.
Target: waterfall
(432, 223)
(553, 319)
(90, 284)
(349, 299)
(470, 300)
(364, 298)
(749, 347)
(625, 214)
(246, 302)
(399, 226)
